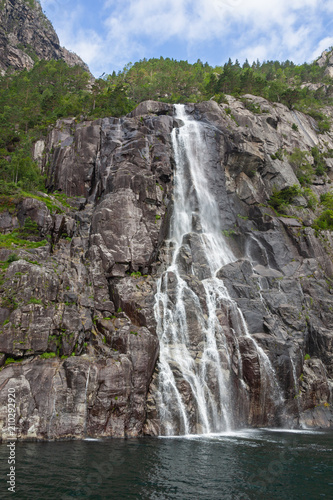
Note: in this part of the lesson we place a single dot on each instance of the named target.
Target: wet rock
(89, 295)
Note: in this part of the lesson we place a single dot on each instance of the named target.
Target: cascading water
(204, 343)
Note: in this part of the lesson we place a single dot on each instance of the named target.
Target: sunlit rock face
(251, 289)
(27, 35)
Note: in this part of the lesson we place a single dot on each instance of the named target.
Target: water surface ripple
(249, 464)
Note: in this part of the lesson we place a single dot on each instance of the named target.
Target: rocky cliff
(78, 335)
(26, 36)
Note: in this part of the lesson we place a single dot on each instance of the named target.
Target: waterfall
(53, 416)
(86, 404)
(204, 341)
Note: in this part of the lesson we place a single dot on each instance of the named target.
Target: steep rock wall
(88, 295)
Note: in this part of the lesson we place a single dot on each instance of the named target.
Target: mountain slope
(26, 36)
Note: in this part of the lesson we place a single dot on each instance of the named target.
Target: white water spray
(86, 403)
(200, 355)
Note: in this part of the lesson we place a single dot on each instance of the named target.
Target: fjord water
(197, 391)
(253, 464)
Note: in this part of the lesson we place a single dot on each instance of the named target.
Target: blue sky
(108, 34)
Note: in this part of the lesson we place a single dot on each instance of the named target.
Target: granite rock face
(78, 331)
(281, 262)
(77, 314)
(26, 35)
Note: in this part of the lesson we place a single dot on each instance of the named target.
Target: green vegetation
(251, 106)
(322, 120)
(307, 356)
(274, 80)
(29, 230)
(278, 155)
(324, 222)
(31, 3)
(228, 232)
(12, 360)
(304, 170)
(34, 301)
(10, 202)
(318, 161)
(135, 274)
(164, 80)
(12, 258)
(281, 199)
(62, 197)
(325, 199)
(31, 101)
(28, 235)
(32, 262)
(178, 81)
(311, 198)
(48, 355)
(301, 165)
(53, 206)
(14, 239)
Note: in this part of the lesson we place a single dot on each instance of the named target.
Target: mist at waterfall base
(252, 464)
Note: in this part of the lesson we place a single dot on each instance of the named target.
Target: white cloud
(195, 21)
(87, 43)
(133, 29)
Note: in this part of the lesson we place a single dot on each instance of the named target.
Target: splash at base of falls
(212, 375)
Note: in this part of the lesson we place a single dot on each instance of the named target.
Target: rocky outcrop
(326, 61)
(77, 314)
(26, 35)
(78, 332)
(280, 259)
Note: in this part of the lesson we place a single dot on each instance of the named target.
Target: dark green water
(246, 465)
